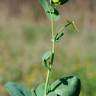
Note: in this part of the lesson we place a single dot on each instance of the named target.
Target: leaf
(47, 59)
(33, 92)
(52, 13)
(58, 36)
(52, 94)
(50, 10)
(71, 26)
(47, 55)
(67, 86)
(40, 90)
(16, 89)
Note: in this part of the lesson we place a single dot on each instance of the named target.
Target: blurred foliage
(21, 49)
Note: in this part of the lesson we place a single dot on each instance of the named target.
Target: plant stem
(48, 72)
(53, 43)
(52, 33)
(46, 83)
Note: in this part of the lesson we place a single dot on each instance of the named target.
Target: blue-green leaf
(52, 94)
(67, 86)
(47, 59)
(15, 89)
(46, 55)
(40, 90)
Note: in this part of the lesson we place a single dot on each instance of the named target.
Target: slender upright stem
(52, 49)
(52, 33)
(48, 71)
(46, 83)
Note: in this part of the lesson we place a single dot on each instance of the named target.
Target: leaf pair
(66, 86)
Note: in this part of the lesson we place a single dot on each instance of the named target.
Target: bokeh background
(25, 36)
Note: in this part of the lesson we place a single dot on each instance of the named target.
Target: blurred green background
(25, 36)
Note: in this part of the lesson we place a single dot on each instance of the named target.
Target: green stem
(48, 72)
(53, 43)
(46, 83)
(52, 33)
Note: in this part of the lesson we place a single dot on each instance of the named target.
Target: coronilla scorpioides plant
(66, 86)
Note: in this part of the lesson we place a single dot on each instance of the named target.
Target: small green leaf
(50, 10)
(47, 55)
(48, 59)
(16, 89)
(59, 36)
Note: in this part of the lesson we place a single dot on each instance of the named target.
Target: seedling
(66, 86)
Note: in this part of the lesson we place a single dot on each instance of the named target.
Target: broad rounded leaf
(16, 89)
(67, 86)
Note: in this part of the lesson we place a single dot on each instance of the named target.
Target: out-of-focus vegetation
(24, 37)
